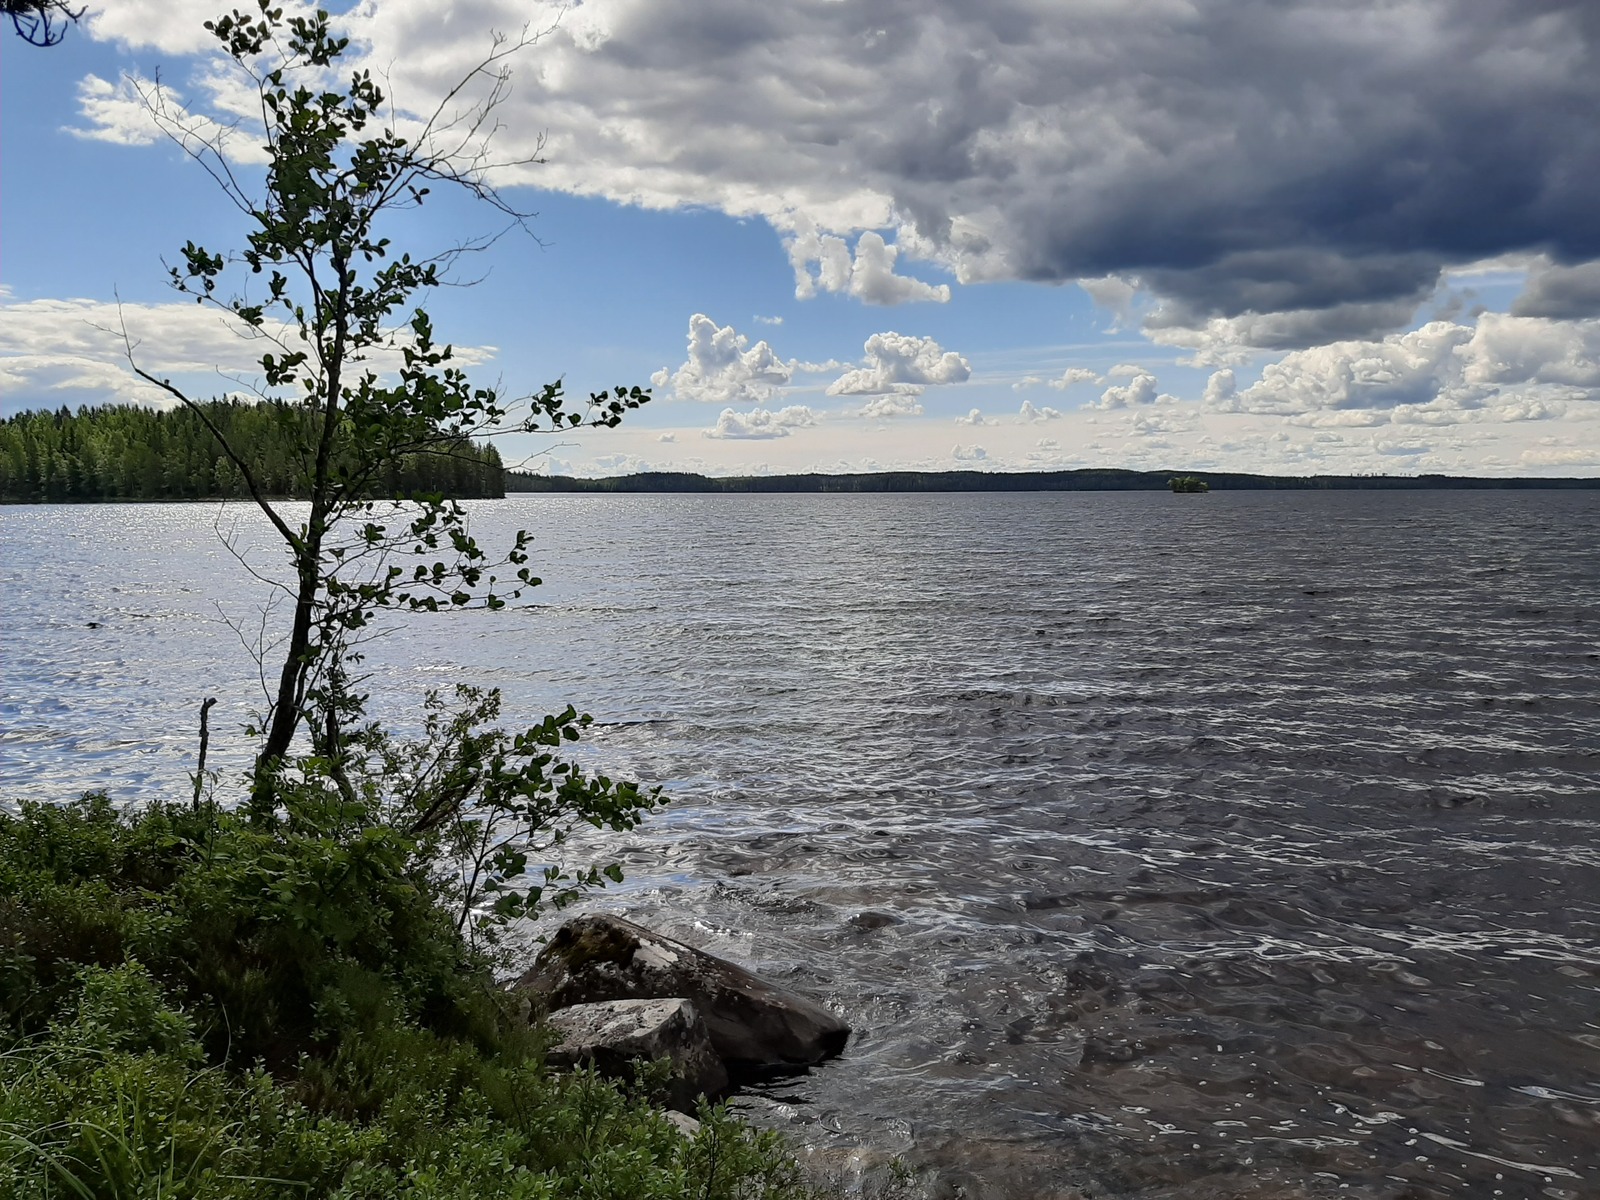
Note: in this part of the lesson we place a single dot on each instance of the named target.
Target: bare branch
(244, 468)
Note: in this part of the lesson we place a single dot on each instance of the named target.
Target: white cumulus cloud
(55, 352)
(759, 423)
(1560, 456)
(622, 464)
(1076, 375)
(1498, 360)
(895, 404)
(175, 26)
(869, 276)
(722, 367)
(1221, 389)
(1141, 389)
(901, 363)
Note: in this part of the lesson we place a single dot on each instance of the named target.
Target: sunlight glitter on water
(1150, 847)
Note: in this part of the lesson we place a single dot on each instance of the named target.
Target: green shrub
(197, 1006)
(277, 943)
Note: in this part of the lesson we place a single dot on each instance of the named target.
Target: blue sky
(878, 234)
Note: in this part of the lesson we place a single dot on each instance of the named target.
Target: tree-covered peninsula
(126, 452)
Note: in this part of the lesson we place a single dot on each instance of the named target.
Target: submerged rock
(754, 1025)
(613, 1034)
(867, 921)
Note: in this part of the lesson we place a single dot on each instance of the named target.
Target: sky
(852, 235)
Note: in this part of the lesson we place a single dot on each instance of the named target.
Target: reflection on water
(1239, 845)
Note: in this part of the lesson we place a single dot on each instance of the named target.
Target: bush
(277, 943)
(195, 1006)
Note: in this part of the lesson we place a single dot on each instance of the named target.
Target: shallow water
(1237, 845)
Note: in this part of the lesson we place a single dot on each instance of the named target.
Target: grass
(192, 1005)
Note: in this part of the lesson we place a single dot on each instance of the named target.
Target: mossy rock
(578, 943)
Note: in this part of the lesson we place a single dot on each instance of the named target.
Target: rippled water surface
(1235, 845)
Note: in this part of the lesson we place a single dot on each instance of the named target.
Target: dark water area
(1239, 845)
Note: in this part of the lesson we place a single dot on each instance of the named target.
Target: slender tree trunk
(205, 742)
(286, 714)
(297, 662)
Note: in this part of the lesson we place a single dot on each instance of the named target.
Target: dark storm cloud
(1562, 293)
(1253, 158)
(1235, 157)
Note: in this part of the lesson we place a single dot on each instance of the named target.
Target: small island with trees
(1188, 485)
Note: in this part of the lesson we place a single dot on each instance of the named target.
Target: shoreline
(1088, 479)
(1085, 479)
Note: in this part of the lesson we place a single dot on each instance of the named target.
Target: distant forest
(1091, 479)
(122, 452)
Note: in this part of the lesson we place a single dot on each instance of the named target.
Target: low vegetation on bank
(194, 1003)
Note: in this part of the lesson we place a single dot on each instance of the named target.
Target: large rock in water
(613, 1034)
(754, 1025)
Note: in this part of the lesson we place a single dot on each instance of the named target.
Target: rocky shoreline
(618, 994)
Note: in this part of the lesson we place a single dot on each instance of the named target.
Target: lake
(1240, 845)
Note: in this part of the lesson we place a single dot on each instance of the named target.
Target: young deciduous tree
(320, 286)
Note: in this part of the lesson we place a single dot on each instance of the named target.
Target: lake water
(1239, 845)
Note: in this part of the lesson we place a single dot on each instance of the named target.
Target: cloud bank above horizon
(1293, 207)
(1257, 157)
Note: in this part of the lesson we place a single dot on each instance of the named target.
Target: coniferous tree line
(125, 452)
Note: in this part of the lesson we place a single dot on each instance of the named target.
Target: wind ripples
(1151, 843)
